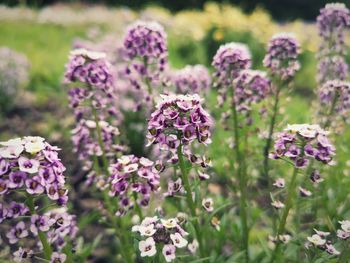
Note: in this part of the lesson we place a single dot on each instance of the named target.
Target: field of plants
(197, 136)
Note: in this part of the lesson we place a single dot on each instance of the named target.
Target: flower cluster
(156, 232)
(192, 79)
(229, 60)
(302, 142)
(179, 120)
(251, 86)
(32, 164)
(332, 22)
(13, 72)
(282, 56)
(147, 40)
(90, 68)
(132, 176)
(145, 46)
(320, 241)
(338, 93)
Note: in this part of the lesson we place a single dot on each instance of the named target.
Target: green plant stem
(148, 84)
(289, 203)
(46, 246)
(117, 225)
(331, 111)
(241, 172)
(189, 199)
(266, 177)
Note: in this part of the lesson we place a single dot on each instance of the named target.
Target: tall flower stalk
(176, 123)
(299, 145)
(281, 60)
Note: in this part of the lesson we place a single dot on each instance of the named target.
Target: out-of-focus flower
(228, 61)
(316, 240)
(133, 177)
(282, 56)
(302, 142)
(192, 79)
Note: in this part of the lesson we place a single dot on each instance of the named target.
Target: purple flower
(16, 209)
(131, 175)
(282, 55)
(192, 79)
(303, 142)
(34, 186)
(28, 165)
(229, 60)
(17, 232)
(58, 257)
(42, 223)
(23, 254)
(16, 179)
(4, 166)
(192, 122)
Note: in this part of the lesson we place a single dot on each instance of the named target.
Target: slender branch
(289, 203)
(241, 172)
(189, 199)
(46, 246)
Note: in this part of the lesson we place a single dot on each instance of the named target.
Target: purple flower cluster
(147, 40)
(282, 56)
(251, 86)
(179, 120)
(56, 224)
(192, 79)
(229, 60)
(90, 68)
(33, 165)
(333, 20)
(145, 46)
(86, 144)
(302, 142)
(160, 232)
(338, 93)
(132, 176)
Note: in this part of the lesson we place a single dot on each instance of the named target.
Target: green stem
(289, 203)
(331, 111)
(46, 246)
(148, 84)
(189, 199)
(241, 172)
(266, 178)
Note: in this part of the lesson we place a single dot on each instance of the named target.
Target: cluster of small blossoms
(32, 164)
(301, 142)
(192, 79)
(251, 86)
(133, 177)
(228, 61)
(320, 241)
(333, 20)
(146, 50)
(282, 56)
(93, 98)
(89, 68)
(160, 232)
(14, 69)
(336, 92)
(180, 120)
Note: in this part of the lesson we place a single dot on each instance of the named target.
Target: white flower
(316, 240)
(147, 247)
(304, 192)
(277, 204)
(12, 142)
(169, 252)
(149, 220)
(11, 152)
(145, 162)
(321, 233)
(178, 240)
(280, 183)
(169, 223)
(125, 159)
(147, 230)
(345, 225)
(284, 238)
(34, 144)
(28, 165)
(93, 55)
(208, 203)
(131, 168)
(192, 247)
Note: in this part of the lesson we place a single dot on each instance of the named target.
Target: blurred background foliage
(280, 9)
